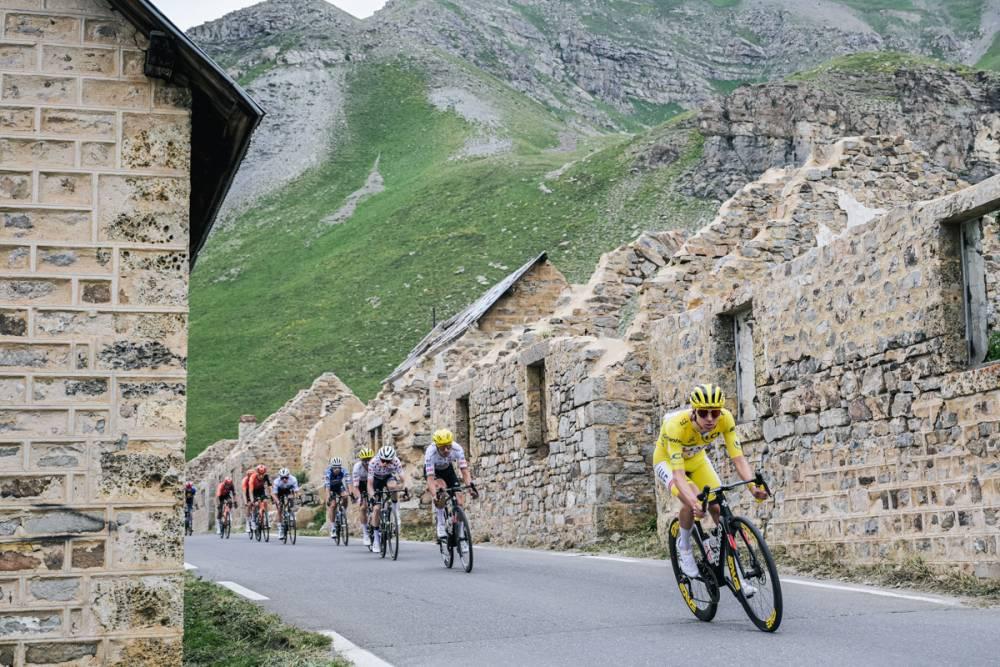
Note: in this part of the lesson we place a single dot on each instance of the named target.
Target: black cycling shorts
(447, 475)
(381, 483)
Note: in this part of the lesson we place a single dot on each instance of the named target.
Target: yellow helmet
(443, 437)
(366, 454)
(708, 396)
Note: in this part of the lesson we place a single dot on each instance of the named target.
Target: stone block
(43, 28)
(152, 405)
(133, 65)
(35, 291)
(79, 123)
(13, 322)
(147, 539)
(57, 455)
(834, 417)
(145, 651)
(17, 57)
(17, 119)
(85, 555)
(139, 355)
(95, 291)
(75, 260)
(607, 412)
(152, 277)
(7, 655)
(143, 209)
(10, 456)
(71, 389)
(55, 590)
(159, 141)
(98, 154)
(47, 489)
(134, 603)
(15, 258)
(15, 186)
(43, 224)
(24, 153)
(30, 556)
(113, 32)
(596, 442)
(67, 189)
(169, 96)
(77, 654)
(30, 623)
(116, 94)
(13, 390)
(33, 89)
(14, 356)
(60, 522)
(58, 322)
(88, 60)
(91, 422)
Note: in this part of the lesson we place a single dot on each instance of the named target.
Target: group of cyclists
(680, 463)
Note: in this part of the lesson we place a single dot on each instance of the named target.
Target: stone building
(118, 141)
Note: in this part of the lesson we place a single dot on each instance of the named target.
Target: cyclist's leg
(704, 475)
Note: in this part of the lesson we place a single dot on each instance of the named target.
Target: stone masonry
(94, 204)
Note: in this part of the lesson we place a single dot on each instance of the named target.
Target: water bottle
(713, 548)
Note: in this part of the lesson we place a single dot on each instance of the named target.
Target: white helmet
(387, 453)
(335, 462)
(284, 472)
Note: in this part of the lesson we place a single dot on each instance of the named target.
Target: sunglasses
(705, 414)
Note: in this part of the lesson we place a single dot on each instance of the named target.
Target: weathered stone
(143, 209)
(159, 141)
(55, 590)
(82, 60)
(48, 224)
(52, 653)
(118, 94)
(80, 123)
(65, 189)
(29, 89)
(43, 28)
(62, 522)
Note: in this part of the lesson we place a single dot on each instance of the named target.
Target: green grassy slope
(354, 298)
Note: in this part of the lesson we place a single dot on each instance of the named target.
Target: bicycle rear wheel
(267, 527)
(343, 526)
(753, 559)
(293, 527)
(228, 528)
(464, 539)
(701, 594)
(394, 534)
(446, 544)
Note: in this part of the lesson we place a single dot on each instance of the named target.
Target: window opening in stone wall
(462, 426)
(535, 418)
(746, 388)
(977, 334)
(375, 436)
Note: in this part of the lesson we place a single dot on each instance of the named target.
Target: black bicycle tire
(394, 537)
(344, 526)
(267, 528)
(294, 527)
(382, 547)
(773, 621)
(467, 531)
(702, 614)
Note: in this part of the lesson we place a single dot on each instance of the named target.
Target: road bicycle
(286, 510)
(459, 535)
(188, 521)
(340, 523)
(262, 525)
(733, 555)
(388, 521)
(227, 519)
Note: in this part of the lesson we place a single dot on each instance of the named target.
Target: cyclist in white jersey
(383, 472)
(285, 485)
(360, 490)
(438, 466)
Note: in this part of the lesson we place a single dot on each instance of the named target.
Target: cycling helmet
(284, 472)
(335, 462)
(228, 480)
(387, 453)
(188, 485)
(708, 396)
(261, 469)
(443, 437)
(366, 454)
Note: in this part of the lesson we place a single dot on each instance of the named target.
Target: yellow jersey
(683, 445)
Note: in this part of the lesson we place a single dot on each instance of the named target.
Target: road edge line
(872, 591)
(241, 590)
(189, 566)
(359, 656)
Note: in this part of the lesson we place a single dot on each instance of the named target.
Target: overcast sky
(188, 13)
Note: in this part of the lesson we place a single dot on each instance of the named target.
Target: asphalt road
(528, 607)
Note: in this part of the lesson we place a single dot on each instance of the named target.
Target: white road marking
(240, 590)
(872, 591)
(353, 652)
(189, 566)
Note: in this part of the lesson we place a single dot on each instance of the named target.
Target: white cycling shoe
(368, 539)
(749, 590)
(442, 533)
(685, 558)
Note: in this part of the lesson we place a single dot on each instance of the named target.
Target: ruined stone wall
(277, 442)
(94, 201)
(878, 438)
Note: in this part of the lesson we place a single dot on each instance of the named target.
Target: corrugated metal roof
(223, 117)
(448, 330)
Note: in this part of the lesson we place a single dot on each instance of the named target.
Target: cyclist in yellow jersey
(681, 464)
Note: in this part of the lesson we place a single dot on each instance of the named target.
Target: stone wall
(94, 201)
(288, 438)
(877, 436)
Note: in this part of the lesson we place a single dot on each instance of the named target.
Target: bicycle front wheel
(267, 527)
(228, 528)
(702, 593)
(343, 527)
(464, 539)
(753, 565)
(394, 535)
(293, 528)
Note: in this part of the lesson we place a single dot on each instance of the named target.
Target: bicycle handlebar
(706, 492)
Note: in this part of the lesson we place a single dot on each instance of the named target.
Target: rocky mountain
(410, 160)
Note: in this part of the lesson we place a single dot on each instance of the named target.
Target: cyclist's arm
(670, 451)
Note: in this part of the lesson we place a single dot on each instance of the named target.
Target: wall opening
(536, 413)
(977, 334)
(375, 437)
(463, 427)
(746, 387)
